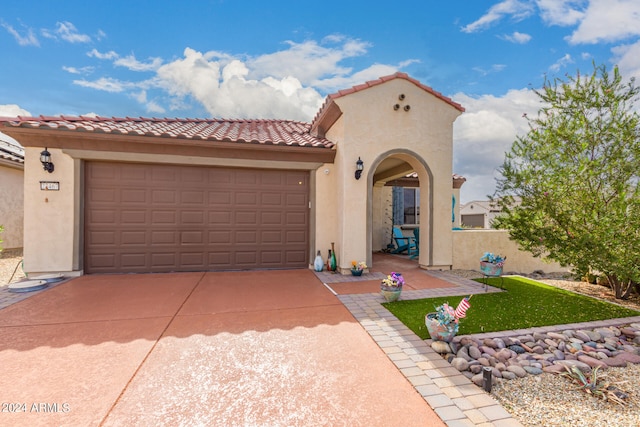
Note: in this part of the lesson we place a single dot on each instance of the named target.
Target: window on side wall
(406, 206)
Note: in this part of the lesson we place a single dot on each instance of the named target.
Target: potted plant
(357, 268)
(491, 264)
(391, 286)
(443, 324)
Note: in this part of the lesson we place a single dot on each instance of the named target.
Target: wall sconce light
(359, 168)
(45, 159)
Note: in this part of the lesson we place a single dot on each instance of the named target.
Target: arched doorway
(400, 174)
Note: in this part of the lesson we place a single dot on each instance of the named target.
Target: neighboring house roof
(479, 206)
(330, 112)
(267, 132)
(10, 151)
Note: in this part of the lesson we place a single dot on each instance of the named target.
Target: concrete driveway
(270, 348)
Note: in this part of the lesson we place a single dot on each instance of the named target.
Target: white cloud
(68, 32)
(308, 61)
(284, 84)
(562, 12)
(495, 68)
(105, 84)
(93, 53)
(561, 63)
(628, 59)
(515, 9)
(484, 133)
(224, 88)
(12, 110)
(517, 37)
(130, 62)
(74, 70)
(608, 21)
(28, 39)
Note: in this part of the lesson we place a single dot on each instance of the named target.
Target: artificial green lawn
(525, 304)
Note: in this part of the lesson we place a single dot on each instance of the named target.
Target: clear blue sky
(279, 59)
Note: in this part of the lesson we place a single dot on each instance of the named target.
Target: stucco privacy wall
(53, 217)
(371, 129)
(11, 206)
(470, 245)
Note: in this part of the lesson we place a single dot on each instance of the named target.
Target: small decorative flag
(461, 310)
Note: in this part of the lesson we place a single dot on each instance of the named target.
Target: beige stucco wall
(382, 217)
(11, 206)
(372, 130)
(470, 245)
(52, 218)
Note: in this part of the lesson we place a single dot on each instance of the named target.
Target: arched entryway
(412, 177)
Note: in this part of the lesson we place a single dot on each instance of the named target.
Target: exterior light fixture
(45, 159)
(359, 168)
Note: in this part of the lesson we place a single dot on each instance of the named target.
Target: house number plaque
(49, 185)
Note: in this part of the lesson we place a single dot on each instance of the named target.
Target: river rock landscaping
(533, 354)
(524, 372)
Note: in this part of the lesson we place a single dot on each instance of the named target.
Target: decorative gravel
(9, 261)
(552, 400)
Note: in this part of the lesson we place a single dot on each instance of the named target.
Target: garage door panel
(106, 195)
(272, 237)
(295, 237)
(295, 256)
(245, 199)
(271, 258)
(272, 218)
(133, 195)
(246, 237)
(160, 237)
(193, 259)
(296, 218)
(102, 238)
(221, 198)
(164, 217)
(163, 259)
(192, 217)
(245, 258)
(133, 238)
(245, 218)
(219, 237)
(192, 197)
(133, 260)
(133, 217)
(159, 218)
(220, 218)
(106, 262)
(164, 196)
(102, 216)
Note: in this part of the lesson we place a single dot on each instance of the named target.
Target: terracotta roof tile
(11, 151)
(376, 82)
(269, 132)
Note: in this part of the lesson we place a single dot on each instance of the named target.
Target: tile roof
(404, 76)
(10, 150)
(268, 132)
(329, 100)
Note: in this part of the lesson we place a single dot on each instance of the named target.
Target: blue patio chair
(403, 243)
(416, 237)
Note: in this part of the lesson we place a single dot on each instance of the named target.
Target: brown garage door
(159, 218)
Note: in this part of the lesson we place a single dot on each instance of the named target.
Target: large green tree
(569, 187)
